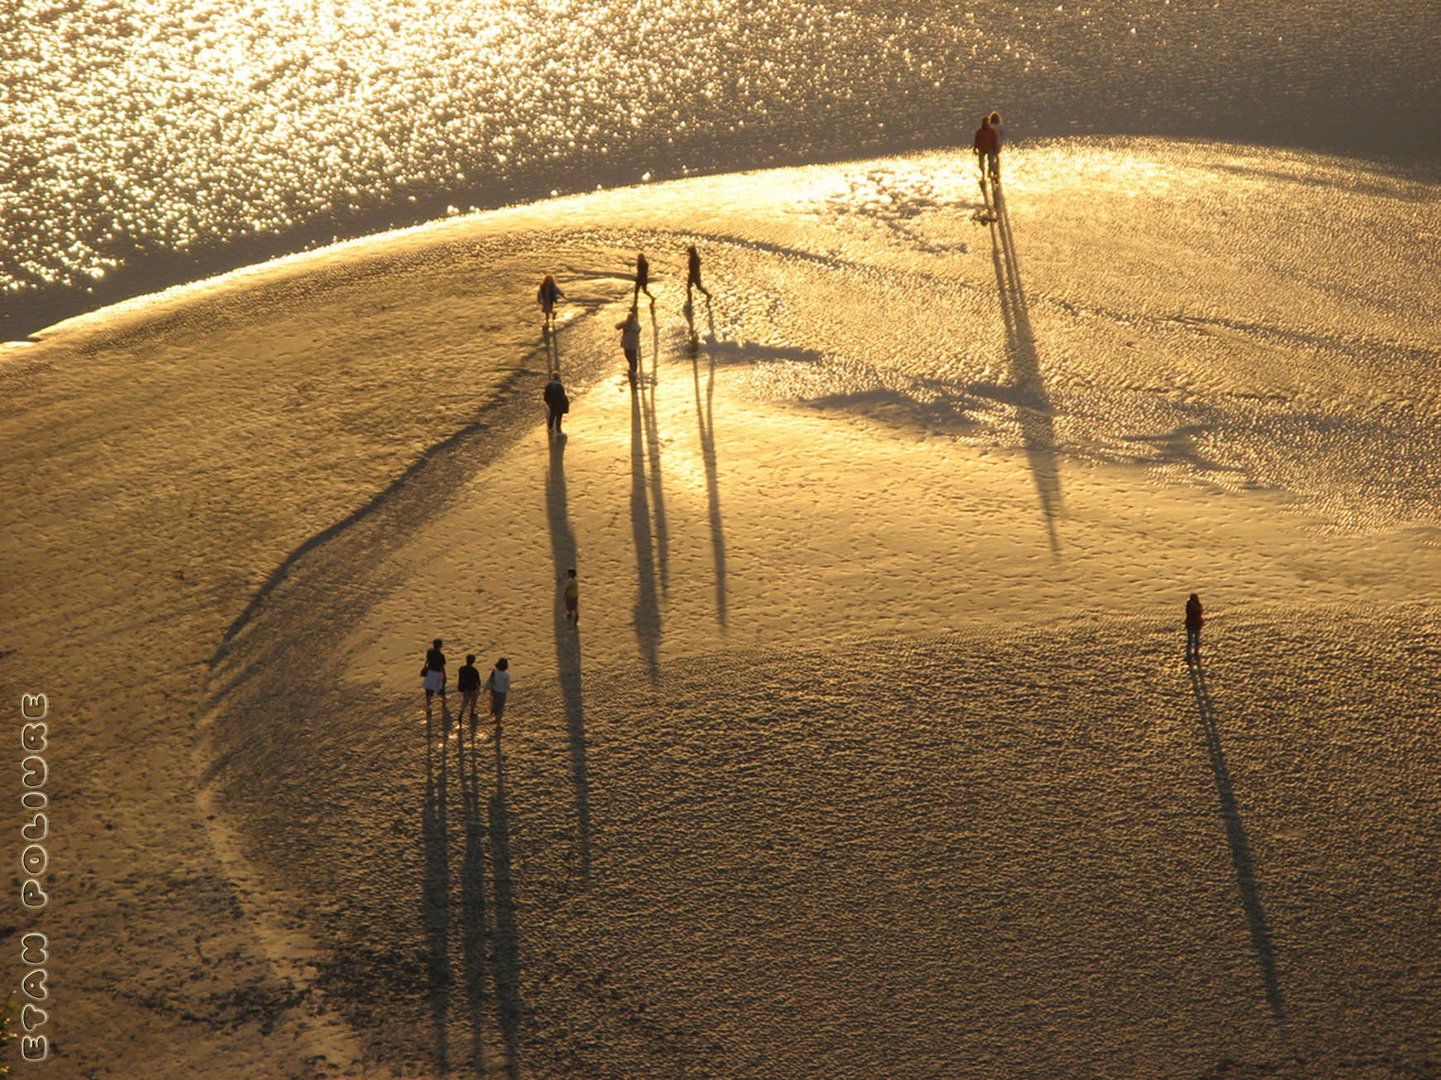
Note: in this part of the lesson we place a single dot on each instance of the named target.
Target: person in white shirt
(498, 683)
(630, 340)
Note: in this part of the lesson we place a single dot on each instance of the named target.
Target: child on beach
(572, 598)
(498, 683)
(467, 680)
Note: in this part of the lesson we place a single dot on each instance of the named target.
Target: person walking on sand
(692, 279)
(987, 144)
(467, 681)
(434, 673)
(498, 683)
(1193, 629)
(572, 598)
(642, 277)
(556, 403)
(994, 120)
(548, 293)
(630, 341)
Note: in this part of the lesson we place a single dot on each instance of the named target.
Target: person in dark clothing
(433, 673)
(467, 680)
(987, 144)
(556, 402)
(692, 280)
(642, 277)
(1193, 628)
(548, 293)
(994, 120)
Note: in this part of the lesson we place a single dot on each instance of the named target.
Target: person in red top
(1193, 629)
(987, 145)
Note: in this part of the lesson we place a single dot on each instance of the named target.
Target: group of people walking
(549, 294)
(987, 144)
(497, 684)
(692, 282)
(629, 327)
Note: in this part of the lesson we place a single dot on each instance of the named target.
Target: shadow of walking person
(1240, 846)
(507, 941)
(652, 439)
(552, 350)
(472, 890)
(705, 418)
(646, 615)
(1038, 431)
(567, 646)
(435, 888)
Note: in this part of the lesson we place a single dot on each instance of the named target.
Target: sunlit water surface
(149, 140)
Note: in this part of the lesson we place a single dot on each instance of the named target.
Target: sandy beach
(875, 753)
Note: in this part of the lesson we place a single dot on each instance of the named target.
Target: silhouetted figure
(433, 673)
(556, 402)
(1193, 628)
(467, 680)
(642, 277)
(987, 144)
(692, 278)
(630, 341)
(995, 121)
(572, 597)
(498, 683)
(548, 293)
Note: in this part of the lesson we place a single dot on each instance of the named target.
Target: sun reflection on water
(138, 129)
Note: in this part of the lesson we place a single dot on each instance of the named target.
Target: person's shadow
(473, 908)
(646, 614)
(1240, 846)
(507, 939)
(652, 438)
(435, 885)
(552, 348)
(705, 419)
(1038, 429)
(567, 645)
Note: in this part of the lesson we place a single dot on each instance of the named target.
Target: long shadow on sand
(1240, 846)
(652, 440)
(567, 645)
(705, 419)
(1038, 430)
(507, 940)
(551, 336)
(435, 887)
(646, 615)
(473, 929)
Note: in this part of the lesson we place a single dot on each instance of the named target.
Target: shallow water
(148, 141)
